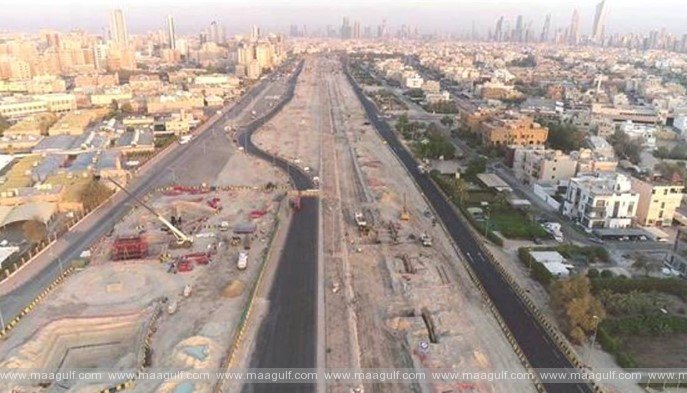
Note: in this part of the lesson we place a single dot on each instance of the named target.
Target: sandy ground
(373, 303)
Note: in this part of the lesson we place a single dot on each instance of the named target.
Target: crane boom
(182, 238)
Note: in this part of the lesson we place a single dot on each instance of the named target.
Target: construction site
(396, 293)
(166, 287)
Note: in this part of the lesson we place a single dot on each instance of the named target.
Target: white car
(242, 263)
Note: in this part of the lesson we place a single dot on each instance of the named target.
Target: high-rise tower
(171, 33)
(118, 31)
(599, 22)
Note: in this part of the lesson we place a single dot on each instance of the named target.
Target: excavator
(182, 240)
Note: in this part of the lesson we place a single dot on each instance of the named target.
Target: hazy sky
(429, 15)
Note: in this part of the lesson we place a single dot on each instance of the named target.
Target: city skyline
(439, 17)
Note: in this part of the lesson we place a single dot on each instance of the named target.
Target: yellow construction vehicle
(405, 215)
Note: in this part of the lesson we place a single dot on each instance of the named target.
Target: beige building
(35, 125)
(38, 85)
(657, 201)
(179, 123)
(145, 83)
(76, 122)
(538, 164)
(513, 129)
(106, 97)
(14, 107)
(175, 103)
(591, 161)
(97, 80)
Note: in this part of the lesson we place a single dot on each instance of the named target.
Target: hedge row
(646, 325)
(673, 286)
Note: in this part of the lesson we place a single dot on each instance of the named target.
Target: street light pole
(596, 328)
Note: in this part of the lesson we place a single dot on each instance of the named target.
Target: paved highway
(536, 344)
(18, 291)
(287, 336)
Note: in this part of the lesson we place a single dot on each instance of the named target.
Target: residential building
(604, 200)
(145, 83)
(532, 165)
(14, 107)
(107, 96)
(76, 122)
(498, 91)
(658, 201)
(591, 161)
(513, 130)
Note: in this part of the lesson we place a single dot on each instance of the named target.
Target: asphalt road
(98, 224)
(535, 343)
(287, 336)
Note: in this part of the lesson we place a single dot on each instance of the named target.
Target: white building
(681, 124)
(605, 200)
(642, 132)
(412, 80)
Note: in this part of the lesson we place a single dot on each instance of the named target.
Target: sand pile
(234, 289)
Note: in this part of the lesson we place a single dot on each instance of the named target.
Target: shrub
(607, 274)
(593, 273)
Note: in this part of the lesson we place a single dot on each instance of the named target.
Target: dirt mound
(234, 289)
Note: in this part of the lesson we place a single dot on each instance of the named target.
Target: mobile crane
(183, 240)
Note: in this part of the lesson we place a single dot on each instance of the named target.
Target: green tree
(447, 121)
(625, 147)
(565, 137)
(578, 309)
(475, 167)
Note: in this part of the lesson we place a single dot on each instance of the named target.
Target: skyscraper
(599, 22)
(171, 33)
(519, 29)
(498, 31)
(346, 30)
(118, 31)
(356, 29)
(546, 29)
(255, 33)
(216, 33)
(574, 32)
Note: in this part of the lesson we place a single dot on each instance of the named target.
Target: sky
(430, 16)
